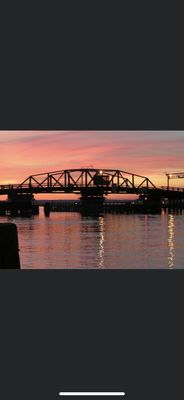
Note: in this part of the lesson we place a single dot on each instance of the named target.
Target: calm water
(69, 240)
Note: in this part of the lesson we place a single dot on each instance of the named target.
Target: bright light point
(101, 172)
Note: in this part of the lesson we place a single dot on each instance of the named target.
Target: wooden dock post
(47, 209)
(9, 250)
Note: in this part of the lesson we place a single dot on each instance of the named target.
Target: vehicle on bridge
(101, 179)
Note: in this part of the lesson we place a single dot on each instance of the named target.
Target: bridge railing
(9, 187)
(176, 189)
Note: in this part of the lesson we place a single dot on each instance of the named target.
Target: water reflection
(91, 240)
(69, 240)
(171, 255)
(101, 242)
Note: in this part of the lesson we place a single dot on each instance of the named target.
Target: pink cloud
(146, 153)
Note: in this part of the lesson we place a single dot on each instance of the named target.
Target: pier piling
(9, 250)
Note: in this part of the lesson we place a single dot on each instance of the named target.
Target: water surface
(110, 241)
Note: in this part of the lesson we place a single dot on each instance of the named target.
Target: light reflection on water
(101, 242)
(171, 241)
(70, 240)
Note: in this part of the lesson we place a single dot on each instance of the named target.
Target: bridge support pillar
(151, 203)
(22, 205)
(92, 204)
(2, 208)
(47, 209)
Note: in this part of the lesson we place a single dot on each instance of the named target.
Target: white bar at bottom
(92, 393)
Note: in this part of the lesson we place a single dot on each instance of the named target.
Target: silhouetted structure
(47, 209)
(92, 185)
(9, 251)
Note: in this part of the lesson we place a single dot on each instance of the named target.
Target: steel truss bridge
(89, 183)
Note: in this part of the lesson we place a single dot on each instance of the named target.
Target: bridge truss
(87, 182)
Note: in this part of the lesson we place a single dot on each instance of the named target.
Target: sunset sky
(148, 153)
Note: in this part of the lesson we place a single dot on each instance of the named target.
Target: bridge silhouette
(89, 182)
(93, 185)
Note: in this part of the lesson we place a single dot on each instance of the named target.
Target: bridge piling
(47, 209)
(20, 205)
(91, 204)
